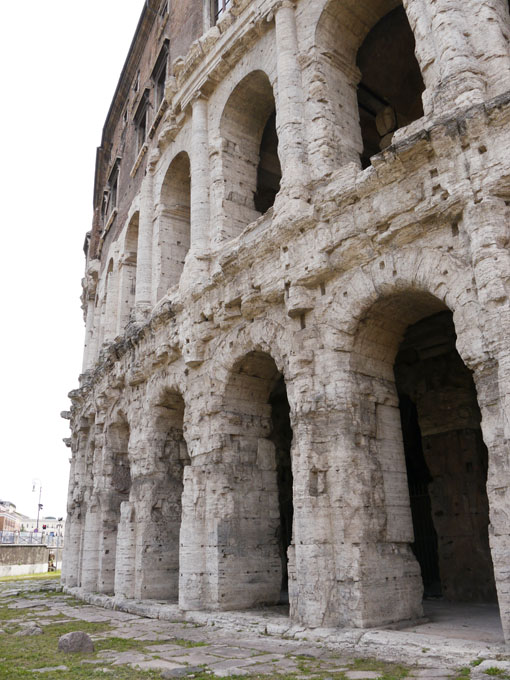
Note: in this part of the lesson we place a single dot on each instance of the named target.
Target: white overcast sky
(61, 61)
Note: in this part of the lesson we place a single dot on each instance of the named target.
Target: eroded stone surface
(296, 372)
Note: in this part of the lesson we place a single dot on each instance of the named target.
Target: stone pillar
(350, 468)
(72, 548)
(200, 177)
(124, 585)
(112, 304)
(143, 302)
(107, 543)
(230, 519)
(290, 113)
(88, 350)
(158, 519)
(127, 281)
(486, 224)
(455, 76)
(90, 546)
(489, 20)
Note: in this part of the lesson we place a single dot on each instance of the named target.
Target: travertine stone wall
(176, 487)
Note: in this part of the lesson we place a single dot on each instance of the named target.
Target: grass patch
(32, 577)
(20, 655)
(463, 673)
(7, 614)
(388, 671)
(497, 672)
(187, 643)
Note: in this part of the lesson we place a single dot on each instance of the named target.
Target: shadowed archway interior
(446, 461)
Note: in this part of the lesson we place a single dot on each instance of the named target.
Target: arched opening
(419, 415)
(109, 306)
(371, 79)
(255, 539)
(172, 226)
(114, 489)
(127, 273)
(250, 173)
(446, 462)
(391, 85)
(161, 502)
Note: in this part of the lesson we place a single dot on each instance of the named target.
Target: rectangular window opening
(219, 8)
(158, 75)
(140, 120)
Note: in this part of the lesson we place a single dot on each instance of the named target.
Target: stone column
(454, 76)
(200, 177)
(230, 519)
(489, 20)
(107, 543)
(143, 302)
(158, 519)
(88, 353)
(90, 546)
(486, 224)
(124, 585)
(290, 113)
(72, 547)
(112, 305)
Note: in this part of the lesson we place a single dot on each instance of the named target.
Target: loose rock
(77, 641)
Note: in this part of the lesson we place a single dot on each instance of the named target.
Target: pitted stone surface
(296, 376)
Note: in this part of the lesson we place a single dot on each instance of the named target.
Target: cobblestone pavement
(177, 649)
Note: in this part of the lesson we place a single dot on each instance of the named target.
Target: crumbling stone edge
(385, 645)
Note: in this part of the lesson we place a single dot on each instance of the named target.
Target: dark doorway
(269, 172)
(389, 93)
(446, 461)
(281, 436)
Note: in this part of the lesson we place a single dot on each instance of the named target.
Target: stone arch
(417, 430)
(366, 53)
(172, 228)
(113, 489)
(426, 273)
(109, 304)
(160, 497)
(245, 509)
(127, 272)
(250, 166)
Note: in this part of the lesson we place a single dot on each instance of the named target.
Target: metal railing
(31, 538)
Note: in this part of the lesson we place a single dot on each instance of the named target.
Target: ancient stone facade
(296, 376)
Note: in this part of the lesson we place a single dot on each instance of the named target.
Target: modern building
(296, 379)
(10, 520)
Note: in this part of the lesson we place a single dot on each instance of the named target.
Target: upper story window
(136, 82)
(110, 194)
(140, 120)
(159, 75)
(163, 10)
(219, 8)
(113, 186)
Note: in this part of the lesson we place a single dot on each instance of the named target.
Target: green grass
(32, 577)
(20, 655)
(498, 672)
(388, 671)
(186, 643)
(7, 614)
(463, 673)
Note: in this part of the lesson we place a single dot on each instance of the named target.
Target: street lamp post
(39, 505)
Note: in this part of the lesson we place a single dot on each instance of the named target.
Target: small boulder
(77, 641)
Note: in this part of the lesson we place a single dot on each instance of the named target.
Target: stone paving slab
(236, 650)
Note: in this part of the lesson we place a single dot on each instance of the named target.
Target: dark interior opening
(281, 436)
(269, 172)
(446, 462)
(389, 93)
